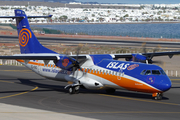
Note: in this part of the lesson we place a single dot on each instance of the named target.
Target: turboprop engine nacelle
(65, 63)
(137, 58)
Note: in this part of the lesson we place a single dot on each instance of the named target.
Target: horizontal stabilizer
(13, 17)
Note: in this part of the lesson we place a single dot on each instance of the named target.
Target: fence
(173, 73)
(10, 62)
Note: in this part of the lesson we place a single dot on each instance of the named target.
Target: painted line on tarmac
(175, 79)
(18, 93)
(6, 81)
(17, 70)
(175, 83)
(25, 71)
(140, 100)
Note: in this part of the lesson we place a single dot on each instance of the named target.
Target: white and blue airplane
(99, 71)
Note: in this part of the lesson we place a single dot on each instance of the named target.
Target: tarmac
(14, 112)
(25, 95)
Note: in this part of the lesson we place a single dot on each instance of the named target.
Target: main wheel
(76, 89)
(71, 90)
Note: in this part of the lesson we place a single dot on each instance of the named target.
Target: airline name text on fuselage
(117, 65)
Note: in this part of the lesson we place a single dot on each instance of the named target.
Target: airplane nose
(165, 85)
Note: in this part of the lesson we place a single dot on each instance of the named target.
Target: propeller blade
(154, 51)
(76, 64)
(74, 69)
(70, 66)
(82, 61)
(144, 48)
(77, 51)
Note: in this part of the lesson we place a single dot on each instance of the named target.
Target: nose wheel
(157, 96)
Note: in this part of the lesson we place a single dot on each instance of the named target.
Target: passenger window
(104, 72)
(156, 72)
(162, 72)
(148, 72)
(142, 73)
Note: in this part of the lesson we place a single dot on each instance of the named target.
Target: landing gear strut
(74, 89)
(157, 96)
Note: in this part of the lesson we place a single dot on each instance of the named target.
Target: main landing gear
(157, 96)
(74, 89)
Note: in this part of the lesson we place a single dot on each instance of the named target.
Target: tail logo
(24, 36)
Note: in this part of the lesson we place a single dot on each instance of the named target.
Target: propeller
(149, 58)
(145, 57)
(76, 63)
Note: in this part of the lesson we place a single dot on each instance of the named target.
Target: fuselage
(108, 73)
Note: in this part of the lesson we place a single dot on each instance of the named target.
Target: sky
(135, 1)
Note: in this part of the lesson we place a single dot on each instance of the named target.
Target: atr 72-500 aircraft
(101, 71)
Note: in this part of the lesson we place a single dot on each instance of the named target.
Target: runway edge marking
(140, 100)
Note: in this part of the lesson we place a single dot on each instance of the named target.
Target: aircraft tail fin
(27, 40)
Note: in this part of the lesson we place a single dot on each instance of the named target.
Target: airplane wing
(170, 54)
(31, 57)
(129, 55)
(39, 56)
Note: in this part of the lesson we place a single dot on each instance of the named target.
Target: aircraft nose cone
(166, 85)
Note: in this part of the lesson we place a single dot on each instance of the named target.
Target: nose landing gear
(157, 96)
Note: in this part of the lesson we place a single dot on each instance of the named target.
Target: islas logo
(24, 36)
(131, 67)
(117, 65)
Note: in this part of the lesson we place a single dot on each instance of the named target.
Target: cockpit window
(148, 72)
(162, 72)
(153, 72)
(156, 72)
(142, 73)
